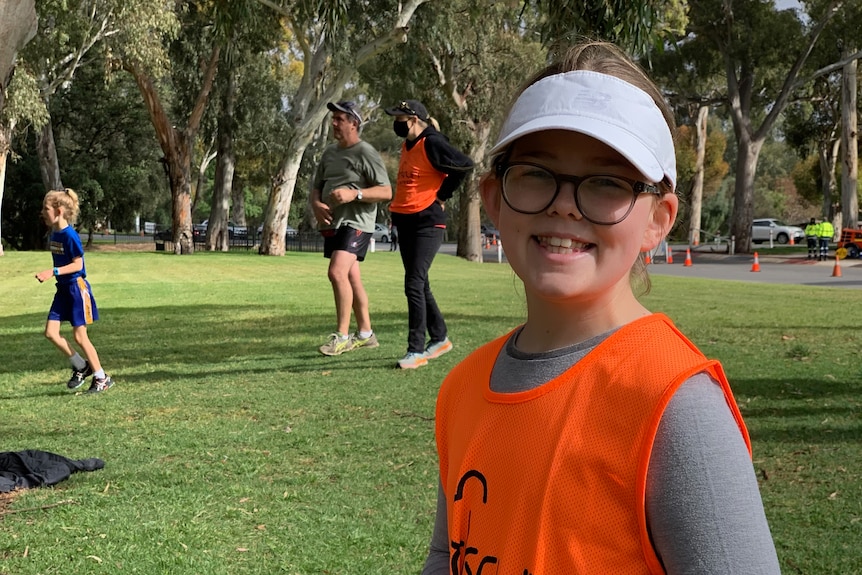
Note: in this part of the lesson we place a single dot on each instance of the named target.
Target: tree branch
(203, 95)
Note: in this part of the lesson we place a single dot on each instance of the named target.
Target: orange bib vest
(417, 183)
(552, 481)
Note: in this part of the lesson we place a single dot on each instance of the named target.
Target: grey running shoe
(100, 385)
(357, 341)
(335, 345)
(412, 360)
(79, 376)
(436, 349)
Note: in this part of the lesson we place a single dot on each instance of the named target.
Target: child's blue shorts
(74, 302)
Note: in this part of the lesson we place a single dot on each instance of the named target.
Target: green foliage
(715, 213)
(106, 147)
(636, 25)
(24, 105)
(144, 30)
(104, 137)
(22, 202)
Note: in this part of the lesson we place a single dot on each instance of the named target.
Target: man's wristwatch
(358, 195)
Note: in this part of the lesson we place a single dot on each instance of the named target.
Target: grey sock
(77, 361)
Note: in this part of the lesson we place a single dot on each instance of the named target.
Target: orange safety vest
(418, 181)
(553, 480)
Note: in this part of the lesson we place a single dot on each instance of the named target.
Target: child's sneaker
(79, 376)
(357, 341)
(336, 345)
(412, 360)
(436, 349)
(99, 385)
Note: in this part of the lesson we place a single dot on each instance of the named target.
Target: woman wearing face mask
(429, 172)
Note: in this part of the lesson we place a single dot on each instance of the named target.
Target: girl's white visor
(604, 107)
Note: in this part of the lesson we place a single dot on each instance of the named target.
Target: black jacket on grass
(33, 468)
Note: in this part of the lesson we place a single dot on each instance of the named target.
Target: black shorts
(346, 239)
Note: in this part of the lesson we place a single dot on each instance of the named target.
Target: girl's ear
(662, 219)
(490, 188)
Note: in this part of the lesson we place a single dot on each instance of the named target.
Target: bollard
(371, 243)
(499, 252)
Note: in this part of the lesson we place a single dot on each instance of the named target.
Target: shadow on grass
(801, 411)
(796, 389)
(274, 340)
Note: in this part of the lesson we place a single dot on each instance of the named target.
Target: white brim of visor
(604, 107)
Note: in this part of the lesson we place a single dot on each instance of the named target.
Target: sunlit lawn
(232, 446)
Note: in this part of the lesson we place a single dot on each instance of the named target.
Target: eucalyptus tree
(764, 53)
(844, 42)
(331, 40)
(247, 35)
(18, 24)
(692, 81)
(104, 141)
(68, 32)
(812, 125)
(464, 61)
(175, 67)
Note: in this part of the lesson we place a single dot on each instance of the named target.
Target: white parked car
(761, 229)
(381, 233)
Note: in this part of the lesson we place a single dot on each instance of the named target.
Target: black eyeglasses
(602, 199)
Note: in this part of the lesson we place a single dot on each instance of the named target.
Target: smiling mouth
(557, 245)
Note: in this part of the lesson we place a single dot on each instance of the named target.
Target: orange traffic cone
(836, 270)
(647, 259)
(792, 243)
(669, 254)
(755, 267)
(687, 258)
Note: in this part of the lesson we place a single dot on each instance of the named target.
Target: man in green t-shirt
(349, 181)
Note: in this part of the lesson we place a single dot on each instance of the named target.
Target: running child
(74, 300)
(594, 438)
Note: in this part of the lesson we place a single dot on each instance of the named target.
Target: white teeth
(560, 245)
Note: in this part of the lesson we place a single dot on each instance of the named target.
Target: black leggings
(418, 248)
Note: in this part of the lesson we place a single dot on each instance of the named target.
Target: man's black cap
(409, 108)
(346, 106)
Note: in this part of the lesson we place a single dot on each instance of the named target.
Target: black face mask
(401, 128)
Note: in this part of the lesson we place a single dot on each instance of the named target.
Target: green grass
(233, 447)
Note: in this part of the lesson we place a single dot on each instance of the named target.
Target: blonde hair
(606, 58)
(65, 199)
(429, 121)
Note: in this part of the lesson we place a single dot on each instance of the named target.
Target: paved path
(773, 269)
(783, 269)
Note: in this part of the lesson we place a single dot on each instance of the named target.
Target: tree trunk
(5, 147)
(18, 22)
(179, 166)
(278, 208)
(177, 162)
(177, 145)
(828, 157)
(743, 193)
(237, 202)
(470, 245)
(199, 186)
(49, 165)
(849, 150)
(218, 237)
(697, 186)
